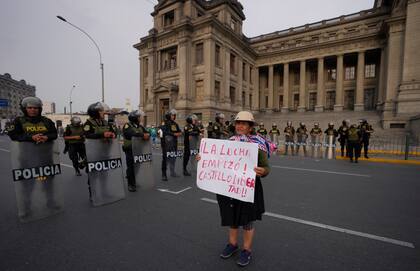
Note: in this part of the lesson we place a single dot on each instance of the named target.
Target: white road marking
(174, 192)
(333, 228)
(1, 149)
(324, 171)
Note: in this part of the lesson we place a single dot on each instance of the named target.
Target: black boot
(164, 177)
(132, 188)
(186, 173)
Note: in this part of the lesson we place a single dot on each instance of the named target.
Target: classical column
(360, 81)
(339, 84)
(302, 87)
(239, 85)
(209, 64)
(286, 94)
(184, 65)
(320, 94)
(248, 85)
(381, 85)
(256, 93)
(226, 83)
(270, 87)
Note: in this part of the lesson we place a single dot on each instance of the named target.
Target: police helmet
(95, 108)
(289, 123)
(75, 121)
(302, 124)
(190, 119)
(274, 125)
(134, 115)
(316, 124)
(331, 124)
(30, 102)
(261, 124)
(219, 116)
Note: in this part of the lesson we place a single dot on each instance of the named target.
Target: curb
(384, 160)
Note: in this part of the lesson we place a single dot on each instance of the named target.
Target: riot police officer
(289, 133)
(96, 127)
(342, 132)
(354, 139)
(302, 136)
(330, 131)
(32, 127)
(73, 135)
(219, 131)
(316, 131)
(133, 128)
(190, 130)
(262, 131)
(274, 133)
(210, 130)
(171, 132)
(365, 130)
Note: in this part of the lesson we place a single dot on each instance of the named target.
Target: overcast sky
(53, 56)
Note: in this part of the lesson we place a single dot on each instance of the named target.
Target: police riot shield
(316, 146)
(330, 147)
(289, 145)
(143, 159)
(105, 171)
(276, 140)
(174, 151)
(301, 146)
(36, 174)
(194, 148)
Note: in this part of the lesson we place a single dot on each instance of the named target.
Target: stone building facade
(11, 93)
(196, 59)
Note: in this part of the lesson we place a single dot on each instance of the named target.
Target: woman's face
(243, 128)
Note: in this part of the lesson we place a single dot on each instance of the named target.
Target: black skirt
(234, 212)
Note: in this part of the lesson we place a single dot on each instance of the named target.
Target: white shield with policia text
(105, 171)
(143, 162)
(194, 150)
(36, 173)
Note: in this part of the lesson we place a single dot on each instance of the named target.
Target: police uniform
(76, 147)
(365, 131)
(210, 130)
(302, 136)
(22, 129)
(331, 132)
(275, 134)
(289, 132)
(130, 130)
(169, 144)
(354, 139)
(262, 131)
(190, 130)
(218, 130)
(342, 132)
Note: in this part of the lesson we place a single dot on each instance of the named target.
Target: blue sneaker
(229, 251)
(244, 258)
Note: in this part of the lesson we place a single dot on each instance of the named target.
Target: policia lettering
(169, 142)
(105, 165)
(138, 159)
(36, 172)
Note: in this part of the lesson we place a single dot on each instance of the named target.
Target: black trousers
(365, 143)
(353, 149)
(77, 152)
(186, 158)
(343, 144)
(129, 160)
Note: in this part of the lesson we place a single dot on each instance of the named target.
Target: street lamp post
(71, 102)
(97, 47)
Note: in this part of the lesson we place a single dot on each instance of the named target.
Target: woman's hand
(198, 157)
(260, 171)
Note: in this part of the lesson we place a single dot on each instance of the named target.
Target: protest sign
(227, 168)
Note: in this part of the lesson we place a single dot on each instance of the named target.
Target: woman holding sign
(235, 213)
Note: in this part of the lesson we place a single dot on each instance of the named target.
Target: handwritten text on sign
(227, 168)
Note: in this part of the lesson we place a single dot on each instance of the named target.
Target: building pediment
(165, 87)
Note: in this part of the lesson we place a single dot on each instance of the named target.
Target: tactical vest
(127, 142)
(275, 131)
(262, 131)
(30, 128)
(353, 135)
(330, 132)
(76, 131)
(99, 128)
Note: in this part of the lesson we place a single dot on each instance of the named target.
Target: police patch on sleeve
(126, 126)
(86, 128)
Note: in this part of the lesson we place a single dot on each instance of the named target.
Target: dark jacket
(23, 128)
(234, 212)
(95, 128)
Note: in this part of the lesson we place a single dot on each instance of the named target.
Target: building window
(330, 100)
(217, 56)
(313, 77)
(281, 80)
(369, 99)
(349, 99)
(232, 95)
(250, 100)
(244, 73)
(168, 59)
(233, 24)
(146, 96)
(169, 18)
(243, 99)
(350, 73)
(312, 101)
(296, 81)
(295, 101)
(146, 67)
(281, 101)
(332, 75)
(232, 64)
(250, 76)
(370, 71)
(266, 101)
(217, 90)
(199, 54)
